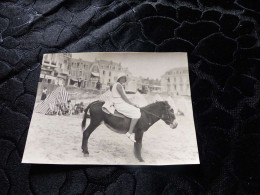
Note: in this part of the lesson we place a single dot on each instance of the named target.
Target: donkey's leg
(92, 126)
(138, 145)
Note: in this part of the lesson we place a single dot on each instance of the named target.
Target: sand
(57, 140)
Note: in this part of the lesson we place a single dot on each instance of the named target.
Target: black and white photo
(113, 108)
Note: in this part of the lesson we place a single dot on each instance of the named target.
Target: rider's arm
(121, 92)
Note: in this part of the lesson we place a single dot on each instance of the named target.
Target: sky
(152, 65)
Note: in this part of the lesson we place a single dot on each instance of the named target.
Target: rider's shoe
(129, 136)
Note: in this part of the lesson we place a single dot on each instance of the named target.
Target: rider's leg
(132, 125)
(131, 129)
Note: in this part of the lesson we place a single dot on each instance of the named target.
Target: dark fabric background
(222, 39)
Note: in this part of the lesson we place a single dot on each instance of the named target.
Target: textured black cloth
(222, 40)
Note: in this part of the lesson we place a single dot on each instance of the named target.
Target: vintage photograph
(129, 108)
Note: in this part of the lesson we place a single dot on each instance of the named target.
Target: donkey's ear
(167, 103)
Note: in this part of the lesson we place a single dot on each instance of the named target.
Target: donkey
(150, 114)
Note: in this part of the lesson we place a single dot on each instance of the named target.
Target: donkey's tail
(85, 116)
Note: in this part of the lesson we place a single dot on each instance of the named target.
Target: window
(53, 59)
(109, 80)
(95, 69)
(169, 80)
(109, 73)
(46, 57)
(104, 72)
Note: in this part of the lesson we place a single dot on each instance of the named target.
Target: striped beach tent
(57, 96)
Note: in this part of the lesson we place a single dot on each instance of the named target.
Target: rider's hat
(121, 74)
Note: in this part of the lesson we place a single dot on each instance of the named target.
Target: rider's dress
(123, 107)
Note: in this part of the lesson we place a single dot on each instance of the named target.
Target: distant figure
(44, 93)
(79, 83)
(53, 109)
(98, 85)
(70, 107)
(59, 107)
(109, 86)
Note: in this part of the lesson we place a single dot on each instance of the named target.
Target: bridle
(167, 121)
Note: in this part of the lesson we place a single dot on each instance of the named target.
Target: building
(63, 69)
(154, 85)
(133, 83)
(176, 82)
(83, 73)
(147, 85)
(55, 68)
(108, 72)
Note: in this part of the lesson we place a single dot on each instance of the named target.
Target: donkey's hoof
(86, 155)
(141, 160)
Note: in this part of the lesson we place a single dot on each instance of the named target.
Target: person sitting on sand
(69, 107)
(123, 105)
(59, 109)
(53, 109)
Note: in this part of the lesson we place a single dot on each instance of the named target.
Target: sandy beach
(50, 143)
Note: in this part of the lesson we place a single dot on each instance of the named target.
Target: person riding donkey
(135, 120)
(123, 105)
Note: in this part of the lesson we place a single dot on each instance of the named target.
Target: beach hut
(57, 96)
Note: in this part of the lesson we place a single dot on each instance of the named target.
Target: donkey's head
(168, 115)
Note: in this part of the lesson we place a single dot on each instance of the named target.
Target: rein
(150, 113)
(153, 114)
